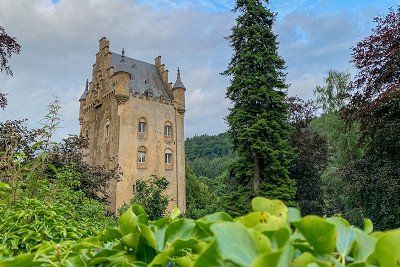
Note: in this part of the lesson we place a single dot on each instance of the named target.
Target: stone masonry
(133, 118)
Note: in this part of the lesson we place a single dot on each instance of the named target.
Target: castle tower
(134, 120)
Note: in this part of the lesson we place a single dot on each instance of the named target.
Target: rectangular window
(142, 157)
(168, 158)
(142, 127)
(167, 130)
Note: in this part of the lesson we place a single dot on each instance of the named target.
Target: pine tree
(258, 119)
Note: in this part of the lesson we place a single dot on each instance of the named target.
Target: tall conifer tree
(258, 119)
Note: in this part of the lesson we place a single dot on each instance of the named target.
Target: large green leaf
(320, 234)
(387, 250)
(181, 229)
(128, 222)
(159, 229)
(272, 206)
(235, 243)
(261, 241)
(345, 235)
(364, 247)
(148, 236)
(303, 260)
(262, 221)
(277, 259)
(210, 257)
(216, 217)
(23, 260)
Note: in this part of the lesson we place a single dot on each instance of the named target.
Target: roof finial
(123, 55)
(87, 85)
(178, 83)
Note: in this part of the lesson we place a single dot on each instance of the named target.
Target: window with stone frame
(142, 154)
(168, 156)
(142, 125)
(168, 129)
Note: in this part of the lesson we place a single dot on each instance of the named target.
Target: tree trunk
(256, 174)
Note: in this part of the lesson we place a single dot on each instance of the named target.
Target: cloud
(59, 42)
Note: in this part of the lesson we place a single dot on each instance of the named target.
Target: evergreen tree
(258, 119)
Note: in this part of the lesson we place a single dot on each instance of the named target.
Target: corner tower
(134, 120)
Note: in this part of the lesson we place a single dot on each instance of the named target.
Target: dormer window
(148, 93)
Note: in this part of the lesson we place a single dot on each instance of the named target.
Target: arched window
(142, 154)
(142, 125)
(168, 129)
(168, 156)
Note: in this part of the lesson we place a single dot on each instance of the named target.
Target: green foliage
(258, 117)
(208, 146)
(211, 167)
(31, 222)
(150, 195)
(374, 182)
(209, 155)
(41, 202)
(270, 235)
(57, 214)
(311, 157)
(200, 201)
(342, 140)
(335, 94)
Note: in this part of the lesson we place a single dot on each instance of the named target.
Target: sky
(59, 41)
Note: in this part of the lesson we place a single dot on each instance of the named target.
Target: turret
(178, 93)
(82, 100)
(122, 80)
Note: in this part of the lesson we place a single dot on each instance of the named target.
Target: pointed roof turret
(123, 55)
(83, 96)
(178, 83)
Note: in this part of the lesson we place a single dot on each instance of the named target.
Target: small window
(168, 130)
(87, 134)
(168, 157)
(142, 125)
(142, 155)
(107, 128)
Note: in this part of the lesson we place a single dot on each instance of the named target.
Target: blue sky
(59, 42)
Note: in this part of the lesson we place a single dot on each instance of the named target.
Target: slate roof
(83, 96)
(179, 84)
(145, 76)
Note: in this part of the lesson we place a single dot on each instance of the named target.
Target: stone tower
(133, 118)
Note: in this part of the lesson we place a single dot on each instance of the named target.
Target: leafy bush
(150, 195)
(31, 222)
(59, 214)
(271, 235)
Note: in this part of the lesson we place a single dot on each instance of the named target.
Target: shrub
(270, 235)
